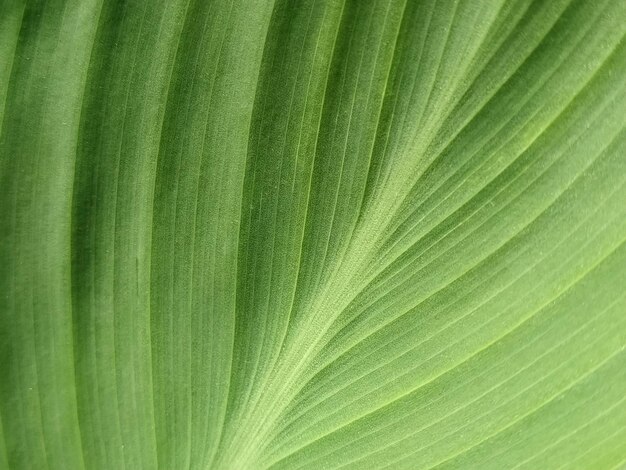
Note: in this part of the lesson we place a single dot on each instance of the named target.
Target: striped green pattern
(312, 234)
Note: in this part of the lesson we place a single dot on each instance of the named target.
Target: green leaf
(306, 234)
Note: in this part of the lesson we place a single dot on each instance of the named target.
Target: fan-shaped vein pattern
(312, 234)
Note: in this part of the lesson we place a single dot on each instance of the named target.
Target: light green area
(312, 234)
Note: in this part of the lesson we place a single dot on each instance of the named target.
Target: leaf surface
(304, 234)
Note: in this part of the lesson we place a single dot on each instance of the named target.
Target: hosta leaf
(305, 234)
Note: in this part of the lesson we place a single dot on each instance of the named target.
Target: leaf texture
(306, 234)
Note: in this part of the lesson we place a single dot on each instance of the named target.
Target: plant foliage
(312, 234)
